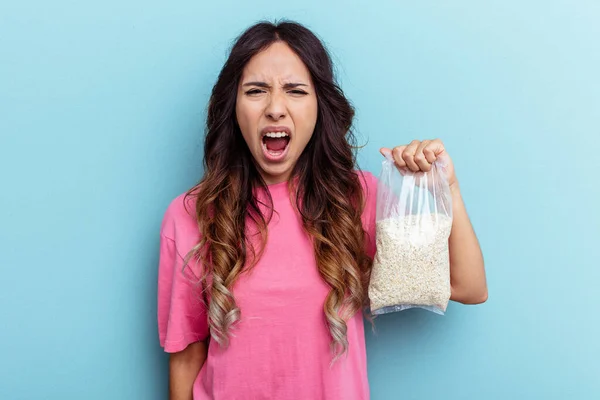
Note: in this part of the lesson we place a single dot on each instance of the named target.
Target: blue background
(102, 107)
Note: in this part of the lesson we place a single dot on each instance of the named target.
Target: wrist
(455, 189)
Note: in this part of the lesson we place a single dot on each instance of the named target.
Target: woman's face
(276, 110)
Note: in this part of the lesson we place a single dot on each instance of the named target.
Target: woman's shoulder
(367, 180)
(369, 186)
(179, 219)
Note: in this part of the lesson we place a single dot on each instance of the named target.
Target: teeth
(276, 134)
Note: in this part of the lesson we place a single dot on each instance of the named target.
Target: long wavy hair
(328, 194)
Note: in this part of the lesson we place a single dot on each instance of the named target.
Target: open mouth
(275, 144)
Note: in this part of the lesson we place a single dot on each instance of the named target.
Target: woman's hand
(419, 155)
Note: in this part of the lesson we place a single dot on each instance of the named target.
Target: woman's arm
(467, 273)
(183, 370)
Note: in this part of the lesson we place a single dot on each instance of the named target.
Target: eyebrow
(290, 85)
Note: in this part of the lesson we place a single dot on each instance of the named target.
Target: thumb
(387, 153)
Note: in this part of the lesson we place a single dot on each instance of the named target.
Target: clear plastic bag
(414, 219)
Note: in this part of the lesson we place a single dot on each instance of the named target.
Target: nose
(276, 108)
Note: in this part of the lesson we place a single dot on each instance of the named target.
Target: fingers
(417, 156)
(429, 153)
(408, 155)
(397, 153)
(436, 147)
(421, 159)
(389, 154)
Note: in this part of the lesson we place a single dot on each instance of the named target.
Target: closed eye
(296, 91)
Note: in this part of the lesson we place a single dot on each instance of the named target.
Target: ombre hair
(326, 188)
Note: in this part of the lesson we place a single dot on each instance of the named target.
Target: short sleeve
(182, 317)
(369, 182)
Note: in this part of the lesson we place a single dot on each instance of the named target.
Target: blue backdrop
(101, 117)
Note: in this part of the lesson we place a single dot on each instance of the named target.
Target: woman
(264, 265)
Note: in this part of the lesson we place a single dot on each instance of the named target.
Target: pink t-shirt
(281, 347)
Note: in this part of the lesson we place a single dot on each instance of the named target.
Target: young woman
(264, 265)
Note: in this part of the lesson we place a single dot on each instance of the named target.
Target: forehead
(276, 62)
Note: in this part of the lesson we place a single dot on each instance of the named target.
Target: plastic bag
(411, 267)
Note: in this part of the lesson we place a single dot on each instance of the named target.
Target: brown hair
(327, 192)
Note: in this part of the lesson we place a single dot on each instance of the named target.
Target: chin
(276, 172)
